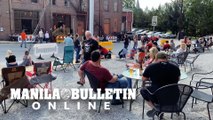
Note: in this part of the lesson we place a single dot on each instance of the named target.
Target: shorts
(147, 96)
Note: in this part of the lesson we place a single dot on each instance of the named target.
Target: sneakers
(77, 61)
(160, 115)
(152, 113)
(80, 83)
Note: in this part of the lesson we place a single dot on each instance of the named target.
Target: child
(27, 61)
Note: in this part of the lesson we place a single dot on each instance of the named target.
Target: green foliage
(196, 18)
(128, 4)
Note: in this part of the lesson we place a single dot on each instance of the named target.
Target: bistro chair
(181, 59)
(203, 84)
(201, 95)
(171, 98)
(191, 60)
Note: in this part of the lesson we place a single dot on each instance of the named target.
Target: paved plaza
(68, 80)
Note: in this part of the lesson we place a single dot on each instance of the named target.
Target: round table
(135, 75)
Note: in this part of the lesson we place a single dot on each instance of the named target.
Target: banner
(45, 49)
(30, 38)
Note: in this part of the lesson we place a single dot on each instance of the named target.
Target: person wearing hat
(10, 59)
(160, 73)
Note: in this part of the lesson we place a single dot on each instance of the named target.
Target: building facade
(31, 15)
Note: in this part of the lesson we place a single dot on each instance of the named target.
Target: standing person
(47, 36)
(135, 46)
(23, 39)
(126, 41)
(68, 41)
(77, 47)
(172, 44)
(41, 35)
(89, 46)
(160, 74)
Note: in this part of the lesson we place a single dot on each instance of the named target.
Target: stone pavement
(69, 79)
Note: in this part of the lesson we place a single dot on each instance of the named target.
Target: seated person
(180, 50)
(140, 59)
(160, 73)
(166, 46)
(27, 60)
(10, 59)
(132, 53)
(104, 52)
(122, 53)
(172, 44)
(149, 45)
(102, 74)
(141, 56)
(152, 53)
(155, 44)
(209, 42)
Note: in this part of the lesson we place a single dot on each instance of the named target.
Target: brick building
(16, 15)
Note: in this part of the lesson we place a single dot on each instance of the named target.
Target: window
(53, 2)
(34, 1)
(106, 5)
(115, 6)
(66, 3)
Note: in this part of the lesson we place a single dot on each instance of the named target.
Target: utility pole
(9, 6)
(51, 15)
(91, 16)
(99, 18)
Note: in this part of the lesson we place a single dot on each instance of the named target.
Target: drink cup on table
(131, 71)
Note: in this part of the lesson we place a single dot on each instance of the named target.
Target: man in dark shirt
(89, 46)
(160, 73)
(102, 74)
(77, 47)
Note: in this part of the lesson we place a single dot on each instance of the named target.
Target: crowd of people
(150, 56)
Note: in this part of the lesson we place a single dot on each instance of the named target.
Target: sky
(152, 3)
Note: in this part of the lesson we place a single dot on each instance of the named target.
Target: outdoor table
(134, 76)
(137, 76)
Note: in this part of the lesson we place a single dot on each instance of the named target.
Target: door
(26, 25)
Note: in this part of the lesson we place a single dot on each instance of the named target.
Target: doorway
(26, 25)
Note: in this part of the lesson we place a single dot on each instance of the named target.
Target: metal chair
(94, 84)
(202, 79)
(204, 82)
(13, 77)
(198, 94)
(171, 98)
(67, 58)
(191, 60)
(181, 58)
